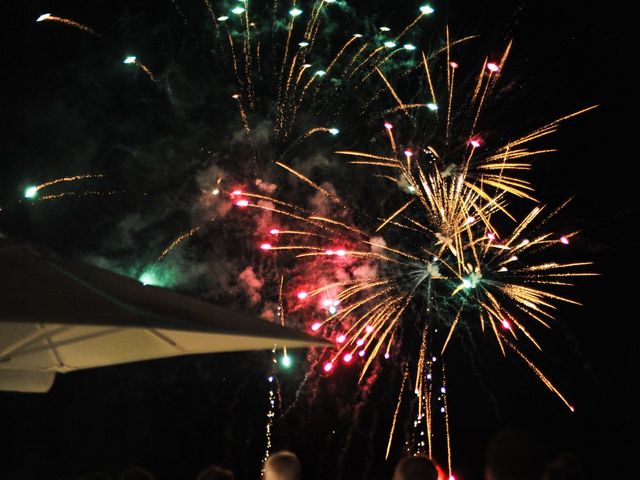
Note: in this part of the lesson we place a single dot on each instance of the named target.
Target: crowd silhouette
(511, 454)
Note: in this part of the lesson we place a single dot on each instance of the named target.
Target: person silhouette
(565, 466)
(514, 454)
(135, 473)
(417, 467)
(283, 465)
(214, 472)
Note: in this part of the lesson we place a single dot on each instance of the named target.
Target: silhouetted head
(135, 473)
(514, 455)
(282, 466)
(215, 472)
(96, 476)
(564, 467)
(416, 468)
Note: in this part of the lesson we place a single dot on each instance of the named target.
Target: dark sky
(65, 101)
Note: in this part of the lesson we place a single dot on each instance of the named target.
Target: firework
(32, 192)
(450, 269)
(408, 234)
(446, 262)
(47, 17)
(132, 60)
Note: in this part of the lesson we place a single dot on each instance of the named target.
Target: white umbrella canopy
(59, 315)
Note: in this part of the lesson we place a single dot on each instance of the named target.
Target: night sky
(69, 106)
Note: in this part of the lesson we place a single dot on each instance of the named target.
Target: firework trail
(47, 17)
(33, 191)
(181, 239)
(85, 194)
(132, 60)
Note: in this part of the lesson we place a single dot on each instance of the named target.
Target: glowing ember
(427, 9)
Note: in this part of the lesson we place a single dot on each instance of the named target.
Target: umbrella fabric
(59, 315)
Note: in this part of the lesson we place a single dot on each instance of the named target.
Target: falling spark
(47, 17)
(32, 191)
(132, 60)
